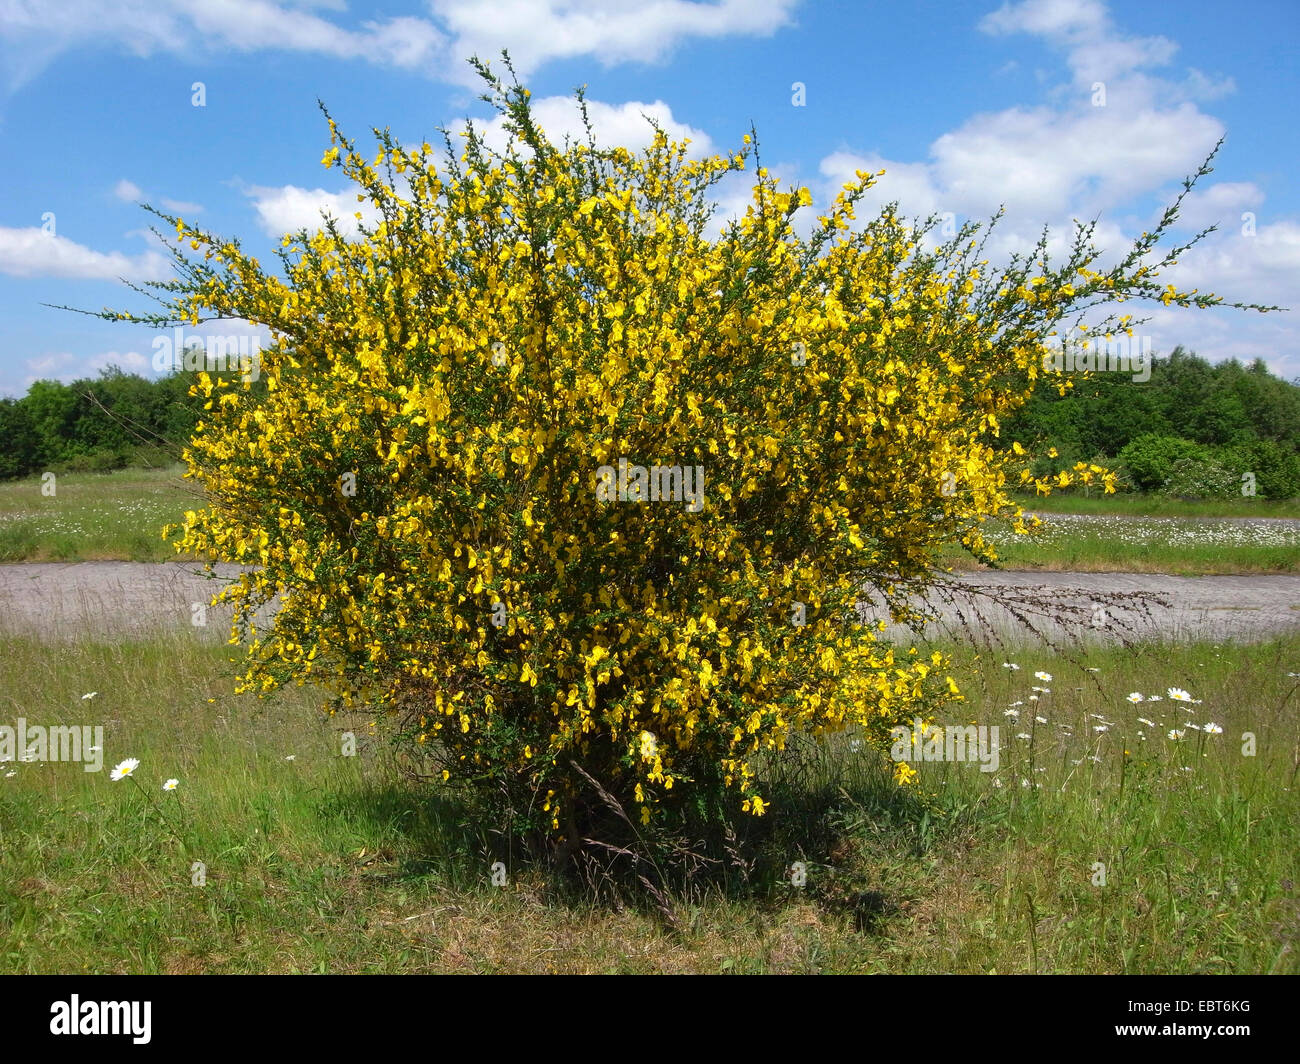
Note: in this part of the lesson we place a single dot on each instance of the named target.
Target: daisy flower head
(1212, 729)
(92, 694)
(1010, 665)
(125, 768)
(1135, 696)
(1148, 723)
(1046, 677)
(171, 785)
(1179, 695)
(1177, 734)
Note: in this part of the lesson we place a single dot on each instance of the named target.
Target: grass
(331, 864)
(1181, 546)
(114, 516)
(1159, 506)
(119, 517)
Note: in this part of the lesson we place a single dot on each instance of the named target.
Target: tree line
(1194, 428)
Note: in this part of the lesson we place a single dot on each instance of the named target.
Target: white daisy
(91, 695)
(125, 768)
(1177, 735)
(1179, 695)
(171, 785)
(1013, 665)
(1213, 729)
(1046, 677)
(1135, 696)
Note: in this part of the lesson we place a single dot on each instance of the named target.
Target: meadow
(1115, 836)
(118, 517)
(316, 862)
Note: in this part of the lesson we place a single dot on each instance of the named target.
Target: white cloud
(31, 252)
(611, 31)
(288, 208)
(612, 124)
(1114, 163)
(1095, 50)
(127, 191)
(35, 32)
(181, 207)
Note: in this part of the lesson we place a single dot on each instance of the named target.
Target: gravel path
(64, 601)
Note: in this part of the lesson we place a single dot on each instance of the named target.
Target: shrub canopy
(430, 484)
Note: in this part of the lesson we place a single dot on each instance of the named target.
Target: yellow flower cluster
(415, 484)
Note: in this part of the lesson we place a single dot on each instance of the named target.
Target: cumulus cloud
(289, 208)
(626, 125)
(35, 32)
(1069, 159)
(32, 252)
(127, 191)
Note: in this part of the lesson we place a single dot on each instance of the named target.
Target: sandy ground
(58, 601)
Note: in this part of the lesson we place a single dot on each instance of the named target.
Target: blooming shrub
(440, 484)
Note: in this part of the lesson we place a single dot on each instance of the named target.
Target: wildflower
(1033, 698)
(292, 757)
(1177, 735)
(1148, 723)
(1046, 677)
(125, 768)
(1101, 727)
(171, 785)
(1041, 720)
(996, 783)
(1042, 690)
(88, 696)
(1212, 729)
(1014, 714)
(1022, 735)
(1013, 665)
(1135, 696)
(1189, 724)
(1179, 695)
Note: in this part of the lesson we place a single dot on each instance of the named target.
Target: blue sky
(968, 104)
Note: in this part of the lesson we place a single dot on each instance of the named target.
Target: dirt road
(111, 600)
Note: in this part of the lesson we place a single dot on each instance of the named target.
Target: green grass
(119, 517)
(115, 516)
(1159, 506)
(1179, 545)
(326, 863)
